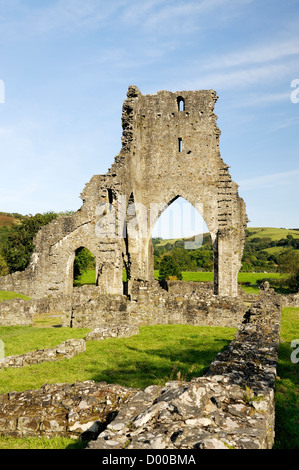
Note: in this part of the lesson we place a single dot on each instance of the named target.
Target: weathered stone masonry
(232, 406)
(170, 148)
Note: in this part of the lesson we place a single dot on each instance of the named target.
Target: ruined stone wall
(167, 152)
(88, 308)
(66, 350)
(150, 305)
(232, 406)
(18, 312)
(62, 409)
(290, 300)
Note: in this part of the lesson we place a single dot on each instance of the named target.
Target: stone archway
(178, 216)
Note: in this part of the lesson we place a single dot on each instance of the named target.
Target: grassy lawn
(287, 384)
(159, 353)
(22, 339)
(89, 277)
(40, 443)
(154, 356)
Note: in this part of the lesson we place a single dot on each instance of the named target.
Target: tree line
(171, 258)
(16, 240)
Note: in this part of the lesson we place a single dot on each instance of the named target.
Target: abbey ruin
(170, 149)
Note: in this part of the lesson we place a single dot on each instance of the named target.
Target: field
(271, 232)
(261, 232)
(89, 278)
(287, 384)
(159, 353)
(7, 220)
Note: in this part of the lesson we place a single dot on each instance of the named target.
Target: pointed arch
(181, 103)
(191, 235)
(157, 210)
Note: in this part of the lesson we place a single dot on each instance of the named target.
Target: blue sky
(65, 66)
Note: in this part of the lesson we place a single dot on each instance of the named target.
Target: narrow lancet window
(180, 144)
(181, 103)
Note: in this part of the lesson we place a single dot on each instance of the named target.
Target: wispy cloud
(160, 16)
(164, 16)
(238, 78)
(19, 21)
(263, 98)
(265, 53)
(271, 180)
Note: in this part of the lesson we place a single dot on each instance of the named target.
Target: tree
(169, 268)
(289, 264)
(17, 241)
(3, 267)
(84, 260)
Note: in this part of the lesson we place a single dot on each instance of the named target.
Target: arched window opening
(181, 103)
(182, 244)
(84, 268)
(180, 144)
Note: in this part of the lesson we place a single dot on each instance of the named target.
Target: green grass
(242, 277)
(287, 384)
(254, 232)
(22, 339)
(154, 356)
(157, 354)
(7, 295)
(271, 232)
(40, 443)
(89, 277)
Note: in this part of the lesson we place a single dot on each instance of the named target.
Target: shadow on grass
(157, 366)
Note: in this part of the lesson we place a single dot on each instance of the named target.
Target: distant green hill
(251, 232)
(274, 233)
(262, 250)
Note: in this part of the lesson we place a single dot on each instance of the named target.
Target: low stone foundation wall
(150, 305)
(17, 312)
(290, 300)
(123, 331)
(67, 349)
(181, 302)
(232, 406)
(83, 408)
